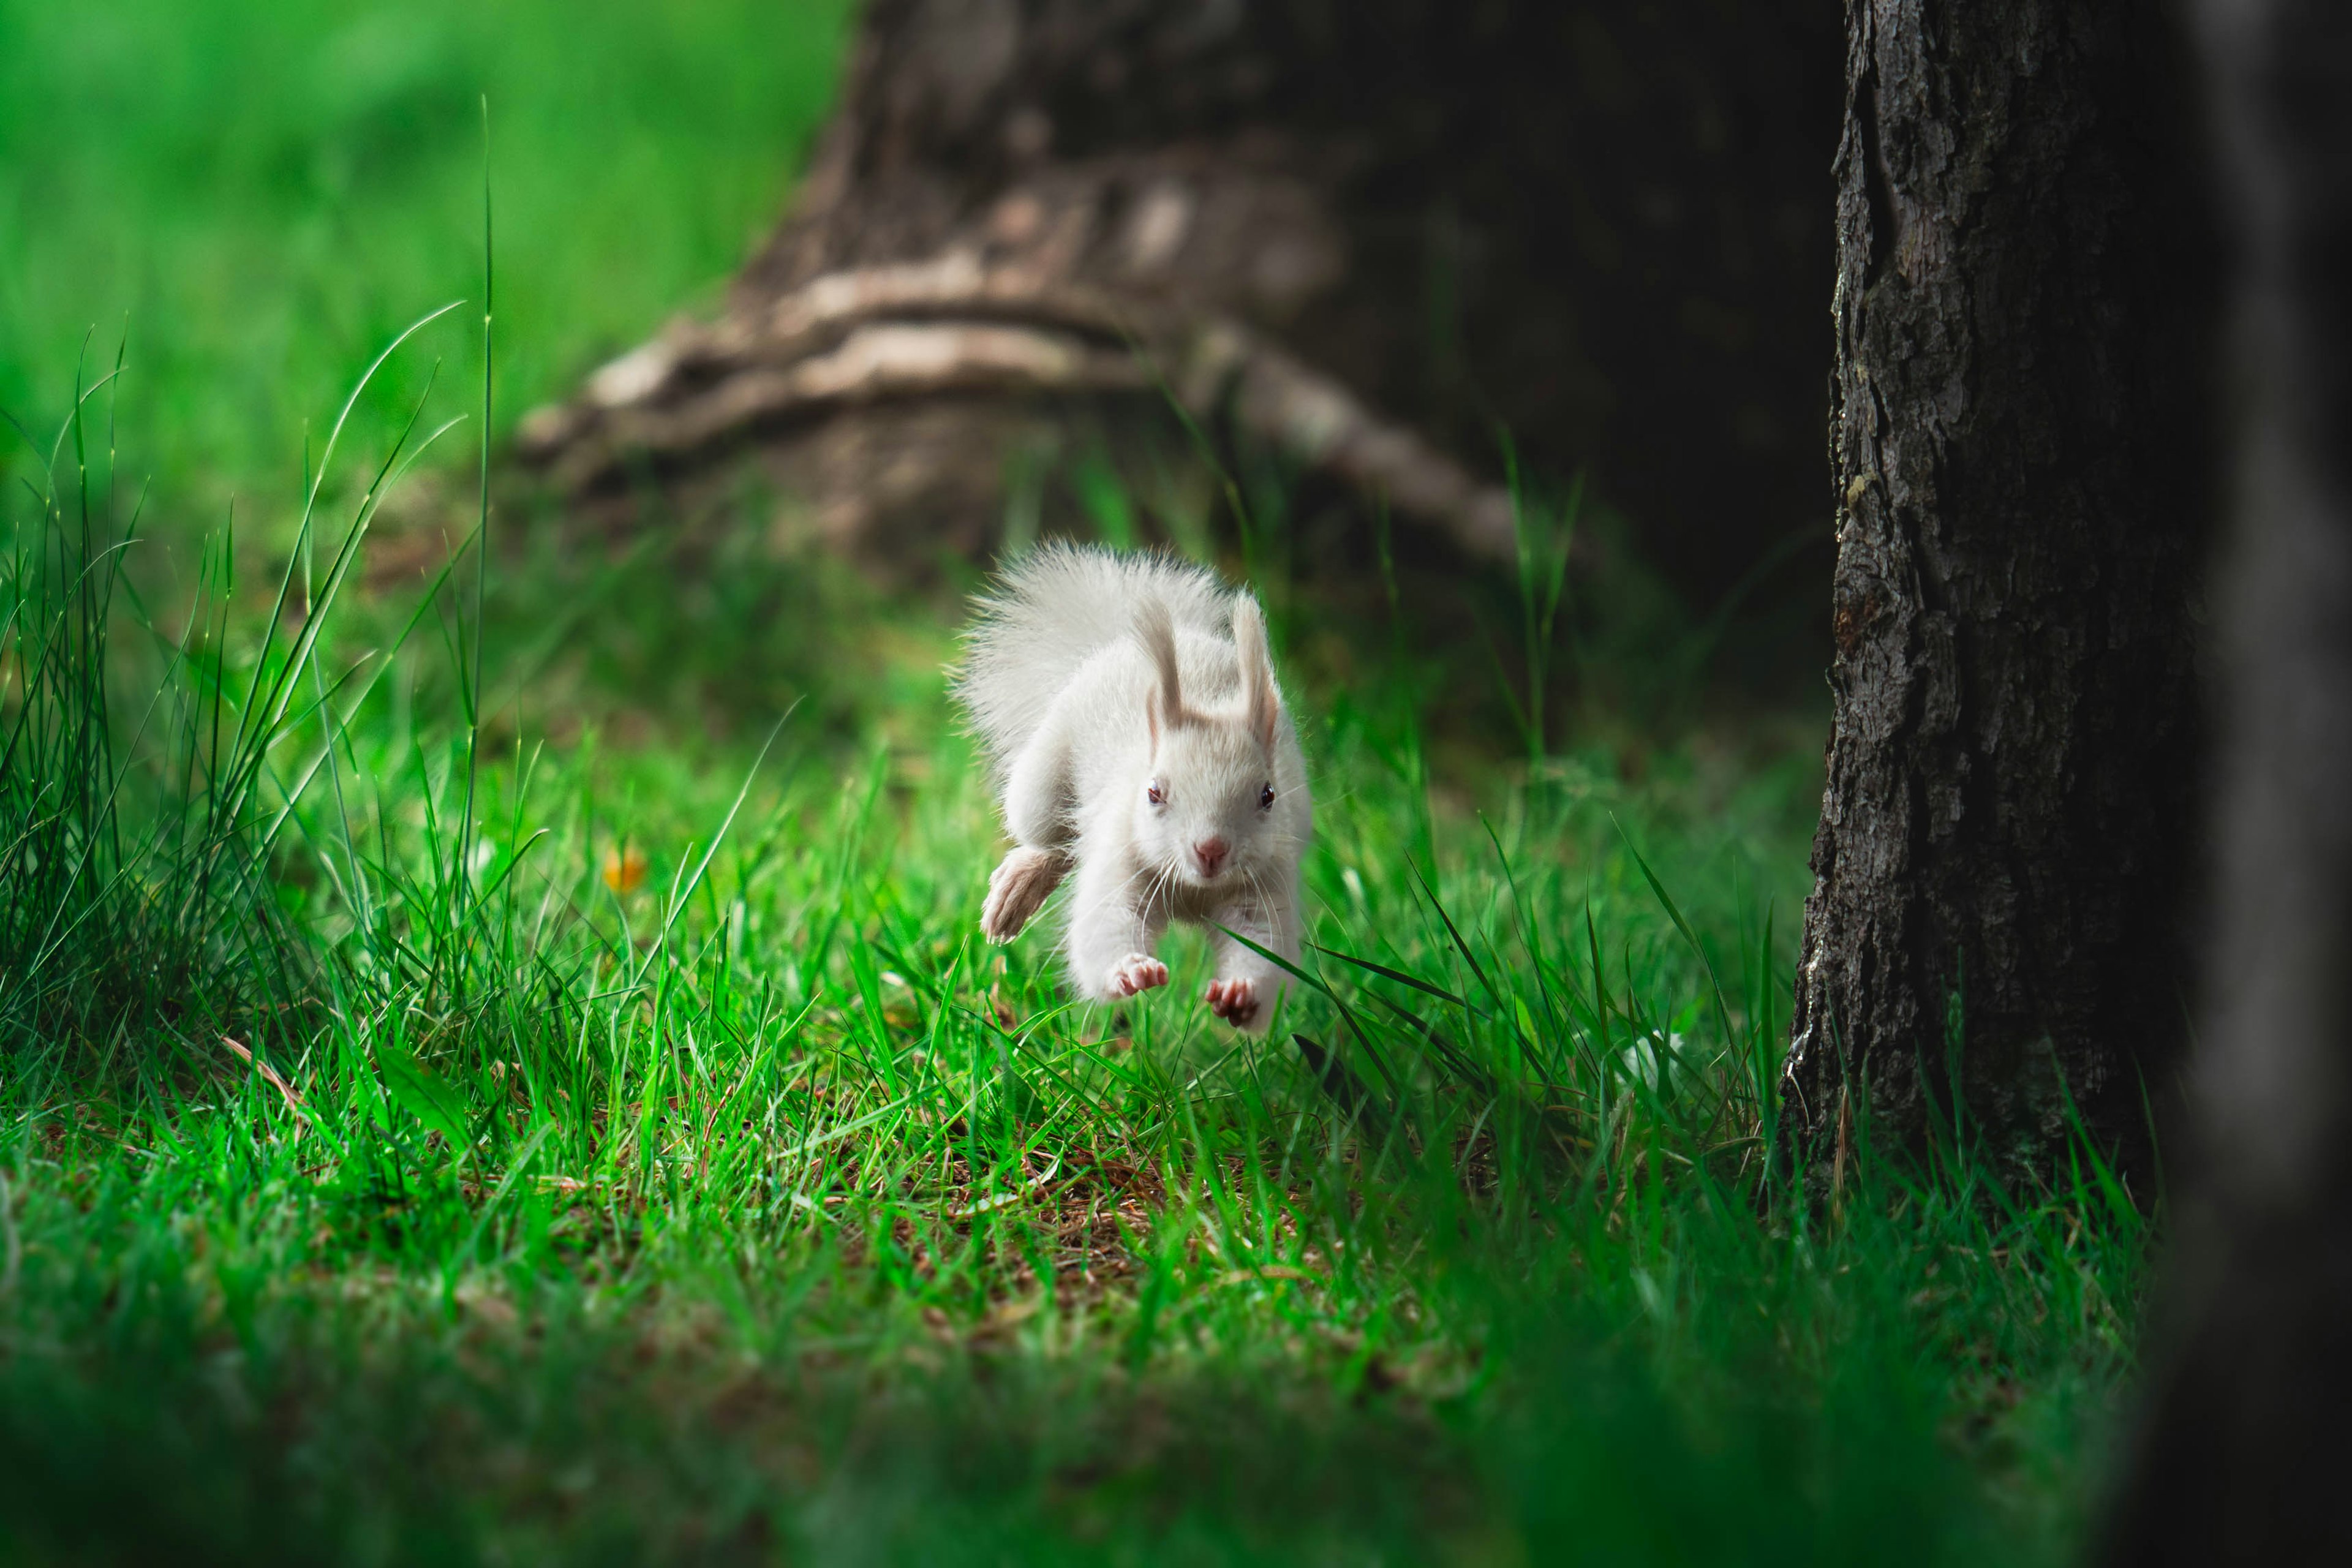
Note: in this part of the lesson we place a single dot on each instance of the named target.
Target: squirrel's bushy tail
(1049, 612)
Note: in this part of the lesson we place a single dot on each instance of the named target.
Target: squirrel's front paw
(1234, 1001)
(1137, 971)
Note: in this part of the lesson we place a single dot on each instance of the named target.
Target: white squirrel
(1131, 721)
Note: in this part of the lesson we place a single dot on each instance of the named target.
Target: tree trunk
(2246, 1441)
(1362, 235)
(2017, 431)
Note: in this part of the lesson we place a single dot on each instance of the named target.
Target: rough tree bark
(2245, 1445)
(2018, 437)
(1364, 233)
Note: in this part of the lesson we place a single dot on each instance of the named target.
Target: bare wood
(953, 326)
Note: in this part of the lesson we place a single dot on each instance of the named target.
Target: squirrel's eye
(1265, 798)
(1151, 793)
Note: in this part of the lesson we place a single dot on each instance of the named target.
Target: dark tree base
(2019, 431)
(1363, 237)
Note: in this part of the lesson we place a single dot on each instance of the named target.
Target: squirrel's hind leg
(1037, 803)
(1040, 797)
(1021, 885)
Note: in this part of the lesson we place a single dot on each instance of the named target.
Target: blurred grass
(258, 193)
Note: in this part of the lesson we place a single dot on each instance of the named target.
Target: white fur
(1066, 679)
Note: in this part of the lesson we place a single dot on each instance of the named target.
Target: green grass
(255, 196)
(748, 1207)
(591, 1137)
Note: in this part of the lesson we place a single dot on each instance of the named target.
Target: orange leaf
(625, 868)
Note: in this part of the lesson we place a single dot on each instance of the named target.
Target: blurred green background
(254, 195)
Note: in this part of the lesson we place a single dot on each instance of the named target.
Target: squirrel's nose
(1210, 853)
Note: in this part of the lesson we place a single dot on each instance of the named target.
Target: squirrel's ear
(1259, 704)
(1165, 709)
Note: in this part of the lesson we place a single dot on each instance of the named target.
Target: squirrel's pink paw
(1137, 971)
(1234, 1001)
